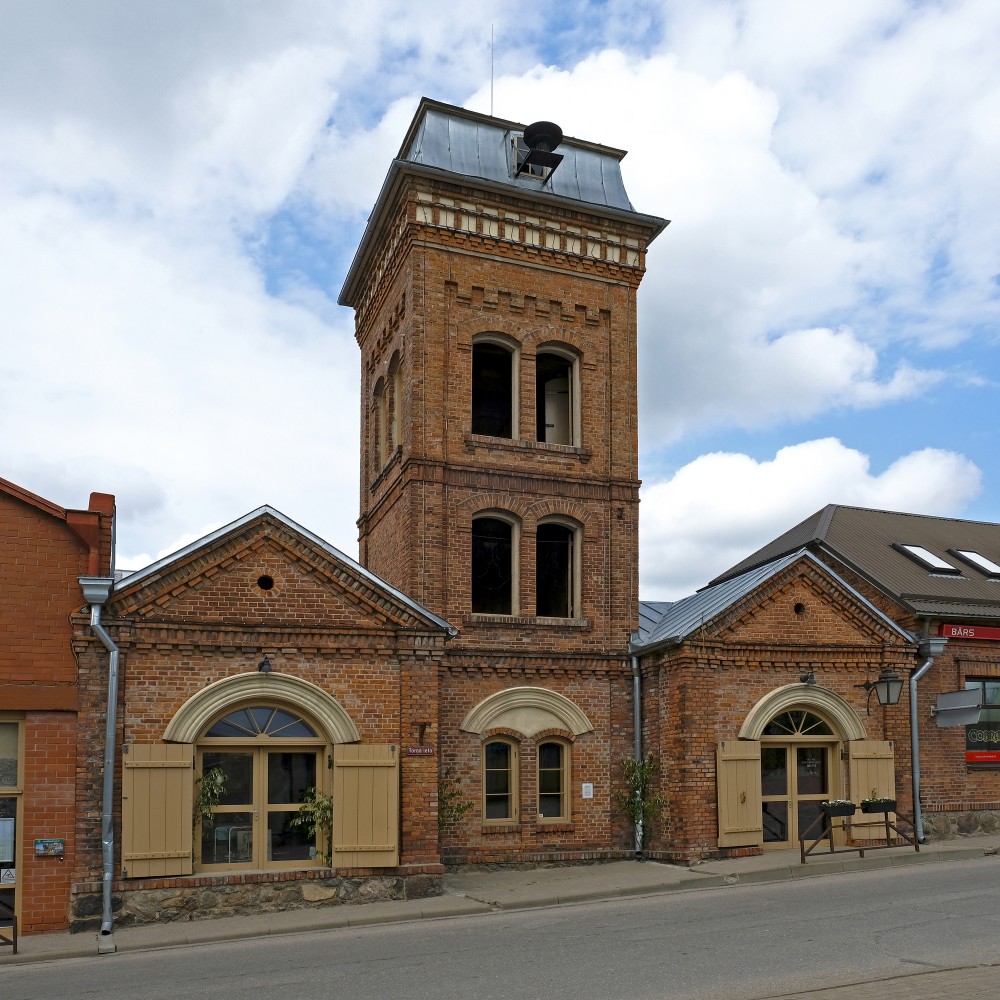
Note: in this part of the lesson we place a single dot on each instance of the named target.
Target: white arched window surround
(558, 563)
(557, 394)
(495, 409)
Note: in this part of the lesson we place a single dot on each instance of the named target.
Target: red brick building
(44, 549)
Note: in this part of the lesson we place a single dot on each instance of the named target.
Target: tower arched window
(394, 416)
(557, 570)
(380, 443)
(494, 566)
(494, 388)
(556, 377)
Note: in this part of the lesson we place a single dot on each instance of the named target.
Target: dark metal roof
(683, 617)
(650, 612)
(864, 539)
(474, 145)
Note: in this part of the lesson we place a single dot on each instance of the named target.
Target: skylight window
(973, 558)
(927, 559)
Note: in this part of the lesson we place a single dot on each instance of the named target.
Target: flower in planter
(878, 803)
(837, 803)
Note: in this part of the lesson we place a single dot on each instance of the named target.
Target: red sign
(982, 756)
(420, 751)
(969, 632)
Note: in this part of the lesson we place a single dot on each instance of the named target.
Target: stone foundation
(948, 825)
(151, 901)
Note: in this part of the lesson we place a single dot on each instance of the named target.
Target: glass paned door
(8, 858)
(289, 774)
(251, 826)
(794, 780)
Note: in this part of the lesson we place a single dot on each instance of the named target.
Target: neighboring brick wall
(43, 550)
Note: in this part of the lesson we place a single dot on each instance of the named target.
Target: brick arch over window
(527, 710)
(483, 503)
(556, 507)
(192, 717)
(841, 715)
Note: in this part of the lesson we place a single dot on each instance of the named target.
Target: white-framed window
(494, 386)
(557, 569)
(494, 567)
(500, 784)
(553, 783)
(557, 396)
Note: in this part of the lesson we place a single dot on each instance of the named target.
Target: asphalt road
(736, 942)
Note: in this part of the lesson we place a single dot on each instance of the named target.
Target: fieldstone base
(150, 901)
(948, 825)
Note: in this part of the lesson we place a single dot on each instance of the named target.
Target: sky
(183, 186)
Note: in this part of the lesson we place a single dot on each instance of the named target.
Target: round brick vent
(265, 582)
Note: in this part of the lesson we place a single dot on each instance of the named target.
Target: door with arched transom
(266, 758)
(798, 770)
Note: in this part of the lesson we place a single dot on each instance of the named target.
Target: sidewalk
(477, 892)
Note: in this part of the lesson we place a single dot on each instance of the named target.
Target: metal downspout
(637, 727)
(931, 648)
(96, 590)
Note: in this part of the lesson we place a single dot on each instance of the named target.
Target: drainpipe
(930, 648)
(96, 590)
(637, 727)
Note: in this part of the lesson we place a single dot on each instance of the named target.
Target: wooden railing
(826, 833)
(8, 927)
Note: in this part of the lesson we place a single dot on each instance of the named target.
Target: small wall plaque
(51, 847)
(420, 751)
(587, 789)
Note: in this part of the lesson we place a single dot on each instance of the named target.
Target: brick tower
(495, 297)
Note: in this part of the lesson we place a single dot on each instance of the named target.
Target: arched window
(494, 590)
(556, 570)
(395, 410)
(553, 780)
(500, 797)
(262, 759)
(494, 378)
(555, 398)
(381, 445)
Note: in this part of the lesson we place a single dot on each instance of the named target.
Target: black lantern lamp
(887, 687)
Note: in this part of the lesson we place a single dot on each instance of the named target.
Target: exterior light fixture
(887, 687)
(264, 667)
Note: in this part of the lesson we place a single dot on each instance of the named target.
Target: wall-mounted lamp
(264, 667)
(809, 678)
(887, 687)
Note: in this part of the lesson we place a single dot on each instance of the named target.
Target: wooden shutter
(157, 793)
(738, 785)
(872, 774)
(365, 806)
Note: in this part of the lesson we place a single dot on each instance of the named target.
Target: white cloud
(721, 507)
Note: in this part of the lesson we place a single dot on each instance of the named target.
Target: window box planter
(878, 805)
(838, 808)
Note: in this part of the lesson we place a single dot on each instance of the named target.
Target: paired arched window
(502, 781)
(494, 388)
(555, 397)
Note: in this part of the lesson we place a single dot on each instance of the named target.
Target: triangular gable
(264, 569)
(758, 606)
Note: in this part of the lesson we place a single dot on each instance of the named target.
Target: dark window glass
(796, 723)
(492, 577)
(260, 721)
(554, 571)
(238, 769)
(492, 392)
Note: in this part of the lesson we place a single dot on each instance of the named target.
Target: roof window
(973, 558)
(927, 559)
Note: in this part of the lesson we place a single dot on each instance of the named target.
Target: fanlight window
(797, 723)
(261, 720)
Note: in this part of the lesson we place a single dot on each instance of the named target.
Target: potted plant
(878, 804)
(838, 807)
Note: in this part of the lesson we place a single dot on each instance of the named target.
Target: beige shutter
(157, 793)
(738, 783)
(365, 806)
(872, 774)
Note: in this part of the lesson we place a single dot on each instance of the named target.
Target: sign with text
(50, 847)
(420, 751)
(969, 632)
